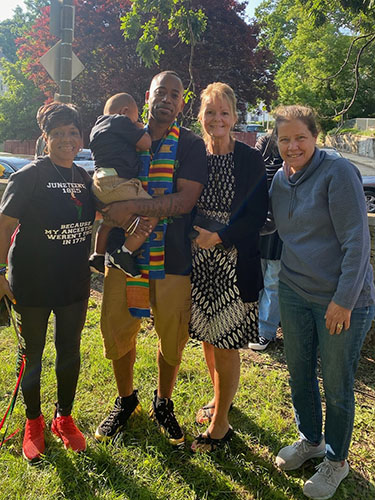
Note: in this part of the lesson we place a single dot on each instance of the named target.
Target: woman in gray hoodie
(326, 292)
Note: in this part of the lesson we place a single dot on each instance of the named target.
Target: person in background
(270, 252)
(50, 202)
(326, 293)
(114, 140)
(226, 274)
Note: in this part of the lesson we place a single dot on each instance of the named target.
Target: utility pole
(60, 61)
(67, 29)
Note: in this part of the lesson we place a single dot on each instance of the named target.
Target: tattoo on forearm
(162, 207)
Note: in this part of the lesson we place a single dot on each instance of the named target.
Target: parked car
(84, 159)
(368, 182)
(256, 127)
(8, 165)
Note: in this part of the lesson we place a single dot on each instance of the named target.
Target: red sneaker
(68, 432)
(33, 441)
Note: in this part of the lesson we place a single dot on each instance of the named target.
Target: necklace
(75, 200)
(72, 195)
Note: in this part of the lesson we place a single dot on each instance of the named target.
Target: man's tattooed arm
(181, 202)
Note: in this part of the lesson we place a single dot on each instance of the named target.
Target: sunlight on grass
(142, 465)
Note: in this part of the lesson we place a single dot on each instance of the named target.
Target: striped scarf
(156, 175)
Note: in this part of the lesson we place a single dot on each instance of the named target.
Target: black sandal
(214, 444)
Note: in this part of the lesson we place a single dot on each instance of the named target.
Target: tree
(19, 105)
(315, 65)
(112, 64)
(209, 38)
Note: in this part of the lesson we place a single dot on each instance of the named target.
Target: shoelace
(301, 446)
(68, 424)
(325, 468)
(112, 418)
(168, 419)
(34, 427)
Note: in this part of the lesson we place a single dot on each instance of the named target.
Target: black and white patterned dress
(218, 314)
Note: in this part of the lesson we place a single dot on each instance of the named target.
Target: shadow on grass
(365, 376)
(97, 473)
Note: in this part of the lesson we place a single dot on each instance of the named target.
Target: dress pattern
(218, 314)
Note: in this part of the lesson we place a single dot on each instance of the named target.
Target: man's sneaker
(261, 345)
(66, 430)
(115, 423)
(293, 456)
(33, 441)
(126, 262)
(326, 480)
(96, 263)
(162, 413)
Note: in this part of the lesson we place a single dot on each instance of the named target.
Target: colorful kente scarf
(156, 174)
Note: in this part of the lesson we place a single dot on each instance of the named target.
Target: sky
(7, 10)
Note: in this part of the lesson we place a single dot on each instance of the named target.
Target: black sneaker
(115, 423)
(261, 345)
(162, 413)
(96, 263)
(126, 262)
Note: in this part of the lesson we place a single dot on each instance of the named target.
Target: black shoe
(126, 262)
(162, 413)
(261, 345)
(115, 423)
(96, 263)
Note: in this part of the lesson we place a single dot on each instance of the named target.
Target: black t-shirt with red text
(48, 260)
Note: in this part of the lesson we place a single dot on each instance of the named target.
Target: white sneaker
(261, 345)
(326, 480)
(293, 456)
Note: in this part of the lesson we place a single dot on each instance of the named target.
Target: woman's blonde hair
(217, 90)
(296, 112)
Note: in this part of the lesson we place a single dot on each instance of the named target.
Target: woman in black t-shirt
(50, 204)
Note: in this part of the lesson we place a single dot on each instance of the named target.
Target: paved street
(366, 165)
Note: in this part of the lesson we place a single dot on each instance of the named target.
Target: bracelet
(3, 271)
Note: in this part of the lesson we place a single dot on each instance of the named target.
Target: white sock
(126, 250)
(95, 254)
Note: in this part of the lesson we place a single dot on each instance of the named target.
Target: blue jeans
(304, 331)
(269, 312)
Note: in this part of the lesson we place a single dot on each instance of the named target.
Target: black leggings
(68, 324)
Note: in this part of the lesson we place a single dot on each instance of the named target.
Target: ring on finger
(339, 326)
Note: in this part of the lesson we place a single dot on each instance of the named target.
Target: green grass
(143, 465)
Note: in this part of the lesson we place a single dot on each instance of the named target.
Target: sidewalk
(365, 164)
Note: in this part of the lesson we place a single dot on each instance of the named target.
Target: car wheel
(370, 201)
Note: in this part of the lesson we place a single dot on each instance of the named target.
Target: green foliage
(146, 17)
(18, 106)
(310, 59)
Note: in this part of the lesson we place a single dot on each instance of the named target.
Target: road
(365, 164)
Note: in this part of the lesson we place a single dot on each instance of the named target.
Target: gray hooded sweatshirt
(320, 214)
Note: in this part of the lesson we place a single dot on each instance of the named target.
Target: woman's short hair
(296, 112)
(57, 114)
(217, 90)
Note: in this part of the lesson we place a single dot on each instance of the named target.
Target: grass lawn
(142, 465)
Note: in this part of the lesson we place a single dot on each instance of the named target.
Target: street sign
(51, 62)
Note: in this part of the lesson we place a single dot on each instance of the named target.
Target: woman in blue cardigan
(226, 275)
